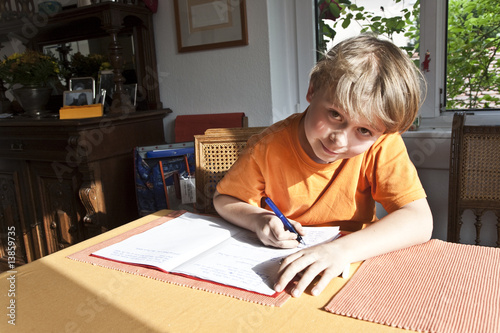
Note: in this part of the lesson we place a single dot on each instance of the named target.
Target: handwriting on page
(210, 248)
(170, 244)
(241, 261)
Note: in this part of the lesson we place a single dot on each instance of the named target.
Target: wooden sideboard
(63, 181)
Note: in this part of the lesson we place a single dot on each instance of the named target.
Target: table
(57, 294)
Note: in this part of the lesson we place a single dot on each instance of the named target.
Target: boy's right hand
(272, 232)
(264, 223)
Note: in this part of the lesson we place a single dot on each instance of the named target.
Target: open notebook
(210, 248)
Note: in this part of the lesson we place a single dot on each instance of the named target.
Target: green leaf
(346, 22)
(334, 9)
(400, 25)
(471, 6)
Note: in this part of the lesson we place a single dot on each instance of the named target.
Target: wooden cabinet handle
(73, 140)
(35, 225)
(16, 146)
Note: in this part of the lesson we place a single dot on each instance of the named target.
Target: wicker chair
(216, 151)
(474, 176)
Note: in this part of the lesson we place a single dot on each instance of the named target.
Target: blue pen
(283, 219)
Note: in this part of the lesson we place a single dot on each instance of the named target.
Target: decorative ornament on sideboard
(49, 7)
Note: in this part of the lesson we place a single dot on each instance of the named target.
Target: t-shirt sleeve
(244, 179)
(392, 176)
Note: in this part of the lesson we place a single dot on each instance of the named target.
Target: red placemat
(433, 287)
(85, 256)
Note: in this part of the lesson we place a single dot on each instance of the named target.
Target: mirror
(90, 67)
(97, 46)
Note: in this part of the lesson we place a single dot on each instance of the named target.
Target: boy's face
(328, 133)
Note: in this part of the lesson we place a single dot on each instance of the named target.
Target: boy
(329, 164)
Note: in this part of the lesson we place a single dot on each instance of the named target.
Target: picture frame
(78, 97)
(107, 82)
(82, 83)
(131, 91)
(210, 24)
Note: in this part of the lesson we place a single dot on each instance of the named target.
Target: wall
(233, 79)
(265, 79)
(292, 54)
(429, 151)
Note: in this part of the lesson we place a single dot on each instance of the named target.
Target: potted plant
(31, 76)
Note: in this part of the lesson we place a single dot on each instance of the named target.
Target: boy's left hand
(326, 260)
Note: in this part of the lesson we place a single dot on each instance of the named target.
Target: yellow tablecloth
(57, 294)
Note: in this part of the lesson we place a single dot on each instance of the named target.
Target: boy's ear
(310, 93)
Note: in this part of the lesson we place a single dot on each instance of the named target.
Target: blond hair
(373, 79)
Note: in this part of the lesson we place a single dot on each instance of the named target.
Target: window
(456, 43)
(472, 58)
(396, 20)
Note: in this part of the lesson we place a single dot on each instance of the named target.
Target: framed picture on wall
(210, 24)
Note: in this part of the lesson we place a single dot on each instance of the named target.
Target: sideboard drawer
(36, 147)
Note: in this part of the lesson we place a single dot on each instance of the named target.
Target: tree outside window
(473, 59)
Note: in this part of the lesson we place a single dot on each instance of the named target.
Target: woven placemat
(433, 287)
(85, 256)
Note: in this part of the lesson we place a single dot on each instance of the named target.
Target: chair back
(216, 151)
(474, 176)
(187, 126)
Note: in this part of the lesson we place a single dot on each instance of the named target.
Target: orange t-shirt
(341, 193)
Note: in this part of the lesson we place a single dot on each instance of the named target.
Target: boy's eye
(334, 114)
(365, 131)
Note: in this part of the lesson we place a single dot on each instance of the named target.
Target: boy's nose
(339, 138)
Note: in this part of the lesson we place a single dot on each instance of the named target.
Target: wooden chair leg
(478, 226)
(498, 229)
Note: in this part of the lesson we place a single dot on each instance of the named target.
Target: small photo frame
(107, 82)
(210, 24)
(131, 91)
(82, 83)
(78, 97)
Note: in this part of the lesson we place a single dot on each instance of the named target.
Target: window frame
(433, 40)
